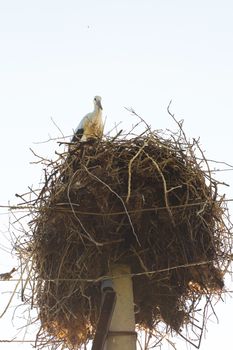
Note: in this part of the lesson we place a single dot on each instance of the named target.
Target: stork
(91, 126)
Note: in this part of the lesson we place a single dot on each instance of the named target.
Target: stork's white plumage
(91, 126)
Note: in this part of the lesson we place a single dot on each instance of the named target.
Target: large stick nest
(147, 202)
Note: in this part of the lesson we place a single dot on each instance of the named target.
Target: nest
(144, 201)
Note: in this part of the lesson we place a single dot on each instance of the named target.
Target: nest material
(144, 202)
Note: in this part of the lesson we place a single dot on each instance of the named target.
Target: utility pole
(121, 334)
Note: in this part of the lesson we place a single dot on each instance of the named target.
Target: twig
(129, 169)
(164, 186)
(119, 197)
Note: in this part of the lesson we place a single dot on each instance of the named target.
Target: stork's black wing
(77, 135)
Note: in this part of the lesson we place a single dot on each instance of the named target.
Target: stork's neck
(97, 111)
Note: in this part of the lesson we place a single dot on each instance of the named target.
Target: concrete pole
(122, 335)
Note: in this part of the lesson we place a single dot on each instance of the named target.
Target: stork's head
(97, 102)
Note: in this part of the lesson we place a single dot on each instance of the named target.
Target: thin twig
(119, 197)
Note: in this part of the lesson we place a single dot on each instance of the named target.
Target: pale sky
(56, 55)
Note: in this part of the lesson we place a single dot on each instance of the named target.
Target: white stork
(91, 126)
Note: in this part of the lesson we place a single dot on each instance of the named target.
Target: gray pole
(122, 335)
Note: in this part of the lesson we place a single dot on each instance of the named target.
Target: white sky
(56, 55)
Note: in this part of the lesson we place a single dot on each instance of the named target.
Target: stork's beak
(99, 104)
